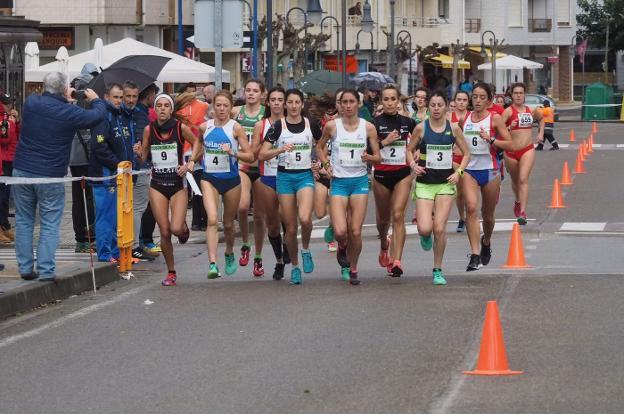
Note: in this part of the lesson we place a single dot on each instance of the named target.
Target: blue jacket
(138, 118)
(111, 143)
(49, 124)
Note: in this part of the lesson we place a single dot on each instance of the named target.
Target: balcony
(540, 25)
(472, 25)
(430, 21)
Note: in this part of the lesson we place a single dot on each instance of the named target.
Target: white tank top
(347, 149)
(269, 167)
(482, 153)
(300, 158)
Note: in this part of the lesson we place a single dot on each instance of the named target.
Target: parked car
(535, 101)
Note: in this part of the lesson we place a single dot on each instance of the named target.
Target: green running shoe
(308, 264)
(295, 276)
(230, 264)
(213, 271)
(344, 274)
(438, 277)
(329, 234)
(426, 242)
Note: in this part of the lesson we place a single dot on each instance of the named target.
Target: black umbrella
(140, 69)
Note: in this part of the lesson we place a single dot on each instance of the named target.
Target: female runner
(225, 144)
(458, 116)
(164, 140)
(436, 178)
(421, 113)
(291, 138)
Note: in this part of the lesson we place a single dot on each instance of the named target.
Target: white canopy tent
(509, 69)
(178, 69)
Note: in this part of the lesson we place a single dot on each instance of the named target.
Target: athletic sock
(276, 244)
(257, 256)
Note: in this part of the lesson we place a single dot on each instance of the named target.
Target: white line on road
(78, 314)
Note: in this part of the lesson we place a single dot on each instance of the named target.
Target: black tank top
(436, 154)
(166, 155)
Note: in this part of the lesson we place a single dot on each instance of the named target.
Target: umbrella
(98, 47)
(140, 69)
(62, 57)
(31, 60)
(320, 82)
(374, 81)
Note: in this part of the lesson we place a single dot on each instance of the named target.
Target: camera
(78, 95)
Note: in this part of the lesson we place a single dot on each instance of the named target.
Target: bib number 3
(439, 157)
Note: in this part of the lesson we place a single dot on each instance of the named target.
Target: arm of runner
(245, 153)
(267, 151)
(189, 137)
(503, 141)
(256, 138)
(458, 133)
(539, 117)
(375, 156)
(141, 149)
(413, 150)
(234, 112)
(321, 146)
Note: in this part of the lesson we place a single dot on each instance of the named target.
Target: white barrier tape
(570, 108)
(54, 180)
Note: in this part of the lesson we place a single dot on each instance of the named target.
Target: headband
(167, 97)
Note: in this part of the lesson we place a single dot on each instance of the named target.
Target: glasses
(331, 112)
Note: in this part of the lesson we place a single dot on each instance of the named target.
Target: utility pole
(344, 43)
(180, 31)
(391, 70)
(269, 59)
(254, 52)
(218, 43)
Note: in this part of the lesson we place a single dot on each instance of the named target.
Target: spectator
(84, 233)
(209, 92)
(549, 127)
(111, 143)
(48, 128)
(466, 86)
(368, 98)
(9, 131)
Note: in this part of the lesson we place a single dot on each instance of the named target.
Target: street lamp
(409, 42)
(391, 46)
(315, 11)
(367, 18)
(305, 35)
(372, 50)
(337, 29)
(495, 44)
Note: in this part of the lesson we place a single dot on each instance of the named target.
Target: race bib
(439, 157)
(350, 153)
(525, 120)
(216, 161)
(249, 133)
(477, 145)
(270, 166)
(300, 158)
(394, 153)
(165, 156)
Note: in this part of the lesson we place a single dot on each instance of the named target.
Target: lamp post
(343, 70)
(372, 50)
(391, 46)
(458, 50)
(305, 35)
(495, 44)
(269, 75)
(337, 30)
(409, 76)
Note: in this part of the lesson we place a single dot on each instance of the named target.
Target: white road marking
(74, 315)
(568, 226)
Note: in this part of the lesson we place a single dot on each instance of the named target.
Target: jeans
(51, 201)
(5, 194)
(106, 222)
(140, 200)
(79, 220)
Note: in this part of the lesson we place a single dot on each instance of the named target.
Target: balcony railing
(472, 25)
(414, 21)
(540, 25)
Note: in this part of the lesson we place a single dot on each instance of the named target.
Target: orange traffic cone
(565, 175)
(572, 135)
(515, 257)
(581, 151)
(591, 140)
(594, 127)
(588, 147)
(579, 168)
(557, 197)
(492, 355)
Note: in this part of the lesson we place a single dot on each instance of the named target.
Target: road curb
(34, 294)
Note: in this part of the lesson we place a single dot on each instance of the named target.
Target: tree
(592, 23)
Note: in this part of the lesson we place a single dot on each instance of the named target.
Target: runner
(350, 136)
(485, 133)
(421, 113)
(435, 177)
(291, 138)
(267, 201)
(247, 115)
(225, 143)
(392, 180)
(519, 119)
(164, 140)
(458, 116)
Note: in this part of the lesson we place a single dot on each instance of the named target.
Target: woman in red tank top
(458, 116)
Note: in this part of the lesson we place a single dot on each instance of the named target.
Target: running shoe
(258, 270)
(341, 256)
(230, 264)
(153, 248)
(396, 270)
(522, 219)
(461, 226)
(353, 278)
(426, 242)
(345, 274)
(142, 255)
(517, 209)
(438, 277)
(170, 280)
(308, 264)
(332, 247)
(554, 148)
(244, 258)
(486, 253)
(384, 260)
(278, 273)
(213, 271)
(285, 254)
(183, 238)
(474, 264)
(295, 276)
(329, 234)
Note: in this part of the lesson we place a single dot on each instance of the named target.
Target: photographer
(9, 131)
(49, 124)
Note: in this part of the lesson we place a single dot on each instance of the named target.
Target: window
(563, 12)
(515, 13)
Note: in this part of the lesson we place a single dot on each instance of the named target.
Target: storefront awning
(488, 52)
(447, 62)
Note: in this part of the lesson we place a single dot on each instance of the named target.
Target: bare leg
(357, 214)
(210, 197)
(489, 197)
(288, 206)
(160, 210)
(243, 207)
(231, 199)
(400, 197)
(259, 216)
(443, 205)
(524, 171)
(471, 198)
(305, 202)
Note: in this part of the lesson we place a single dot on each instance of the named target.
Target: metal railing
(414, 21)
(540, 25)
(472, 25)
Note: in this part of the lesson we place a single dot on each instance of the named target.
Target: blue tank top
(217, 163)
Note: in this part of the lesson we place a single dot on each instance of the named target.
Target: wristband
(492, 140)
(460, 172)
(325, 164)
(381, 145)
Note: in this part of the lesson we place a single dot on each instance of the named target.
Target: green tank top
(248, 123)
